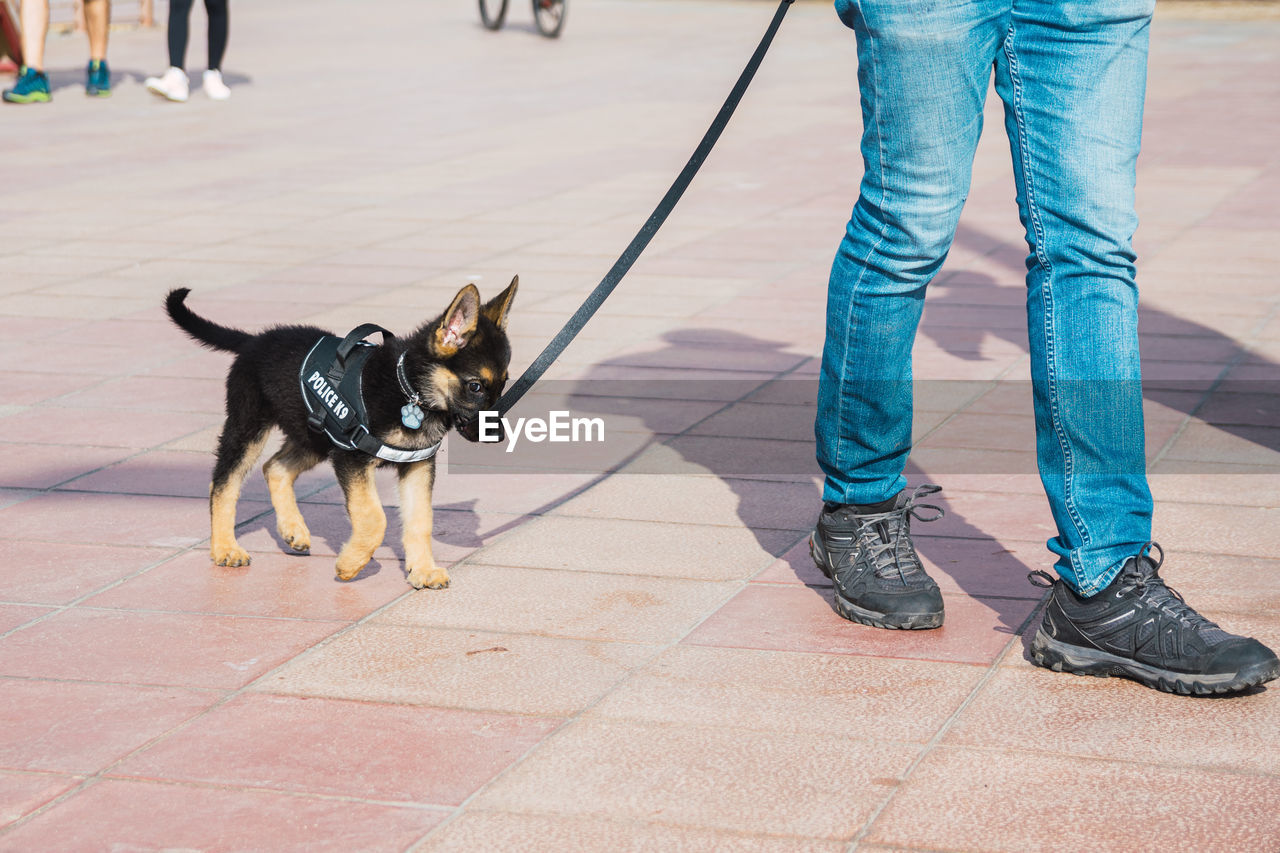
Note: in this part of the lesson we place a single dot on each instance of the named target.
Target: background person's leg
(923, 77)
(1073, 79)
(35, 27)
(179, 26)
(217, 10)
(97, 18)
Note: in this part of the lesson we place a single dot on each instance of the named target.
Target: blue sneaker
(97, 83)
(32, 87)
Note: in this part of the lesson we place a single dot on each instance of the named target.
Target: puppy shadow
(458, 524)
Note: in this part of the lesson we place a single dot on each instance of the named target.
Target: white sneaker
(172, 85)
(214, 87)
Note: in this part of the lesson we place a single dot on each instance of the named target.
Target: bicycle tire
(493, 13)
(549, 16)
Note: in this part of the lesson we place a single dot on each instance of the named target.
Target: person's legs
(173, 84)
(1072, 77)
(923, 73)
(217, 10)
(179, 24)
(35, 27)
(97, 17)
(923, 76)
(32, 85)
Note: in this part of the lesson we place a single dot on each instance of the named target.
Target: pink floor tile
(981, 431)
(197, 364)
(19, 328)
(867, 698)
(747, 457)
(696, 551)
(480, 670)
(1227, 734)
(817, 786)
(107, 519)
(585, 605)
(498, 493)
(353, 749)
(979, 798)
(52, 573)
(98, 427)
(942, 464)
(1232, 530)
(81, 728)
(975, 567)
(16, 615)
(699, 500)
(801, 619)
(8, 497)
(183, 474)
(275, 584)
(330, 527)
(1218, 584)
(529, 833)
(154, 393)
(23, 793)
(118, 814)
(26, 467)
(25, 389)
(156, 648)
(989, 516)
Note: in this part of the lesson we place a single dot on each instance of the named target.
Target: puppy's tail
(205, 331)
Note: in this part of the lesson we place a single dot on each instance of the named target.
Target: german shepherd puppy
(457, 363)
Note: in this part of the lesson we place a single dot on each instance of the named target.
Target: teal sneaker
(97, 83)
(32, 87)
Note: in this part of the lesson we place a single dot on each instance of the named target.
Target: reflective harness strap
(339, 412)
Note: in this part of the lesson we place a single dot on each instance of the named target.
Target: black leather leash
(620, 267)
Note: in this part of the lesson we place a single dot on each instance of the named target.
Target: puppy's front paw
(231, 555)
(431, 577)
(349, 566)
(296, 536)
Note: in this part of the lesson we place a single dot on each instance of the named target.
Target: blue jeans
(1072, 76)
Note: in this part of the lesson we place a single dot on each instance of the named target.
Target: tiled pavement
(645, 660)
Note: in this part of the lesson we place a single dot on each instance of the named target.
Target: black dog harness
(331, 389)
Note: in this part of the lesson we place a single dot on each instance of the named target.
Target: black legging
(179, 13)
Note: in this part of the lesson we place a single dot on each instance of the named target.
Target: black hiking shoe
(869, 557)
(1141, 629)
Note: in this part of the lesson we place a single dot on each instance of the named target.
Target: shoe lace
(1142, 574)
(886, 535)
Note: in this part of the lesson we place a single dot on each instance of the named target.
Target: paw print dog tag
(411, 415)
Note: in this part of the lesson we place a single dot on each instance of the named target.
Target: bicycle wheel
(493, 13)
(549, 16)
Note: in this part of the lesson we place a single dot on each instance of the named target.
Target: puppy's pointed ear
(458, 323)
(497, 308)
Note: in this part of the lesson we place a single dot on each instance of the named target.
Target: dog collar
(410, 413)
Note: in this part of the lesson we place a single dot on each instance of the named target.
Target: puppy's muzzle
(468, 426)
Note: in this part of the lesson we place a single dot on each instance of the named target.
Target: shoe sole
(1061, 657)
(38, 98)
(160, 93)
(863, 616)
